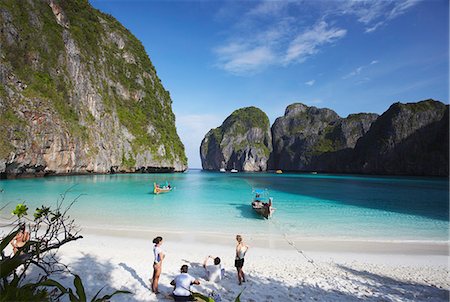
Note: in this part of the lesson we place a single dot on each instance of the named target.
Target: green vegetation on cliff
(247, 118)
(9, 119)
(112, 62)
(422, 106)
(327, 142)
(243, 142)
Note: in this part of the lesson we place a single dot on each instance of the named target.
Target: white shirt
(241, 252)
(156, 251)
(182, 284)
(214, 272)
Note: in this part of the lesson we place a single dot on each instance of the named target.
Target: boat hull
(158, 190)
(264, 210)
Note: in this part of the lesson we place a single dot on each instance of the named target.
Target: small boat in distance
(262, 203)
(161, 188)
(278, 171)
(222, 170)
(234, 171)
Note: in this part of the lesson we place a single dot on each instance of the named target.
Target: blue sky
(350, 56)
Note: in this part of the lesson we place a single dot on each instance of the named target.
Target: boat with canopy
(161, 188)
(262, 203)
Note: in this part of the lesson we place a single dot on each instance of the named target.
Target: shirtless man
(20, 239)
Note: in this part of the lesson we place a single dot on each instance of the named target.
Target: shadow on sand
(399, 290)
(134, 275)
(357, 285)
(360, 286)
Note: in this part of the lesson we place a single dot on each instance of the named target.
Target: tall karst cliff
(304, 133)
(79, 94)
(407, 139)
(242, 142)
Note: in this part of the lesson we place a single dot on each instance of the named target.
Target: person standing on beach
(157, 263)
(241, 249)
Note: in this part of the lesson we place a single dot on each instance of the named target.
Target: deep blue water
(308, 205)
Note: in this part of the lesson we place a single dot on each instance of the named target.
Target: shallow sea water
(307, 205)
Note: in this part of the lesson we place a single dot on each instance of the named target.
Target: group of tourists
(182, 282)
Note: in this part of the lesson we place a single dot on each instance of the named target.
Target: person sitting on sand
(20, 239)
(214, 272)
(182, 284)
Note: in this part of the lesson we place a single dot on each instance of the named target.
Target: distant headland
(407, 139)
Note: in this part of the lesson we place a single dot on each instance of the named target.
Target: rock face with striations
(79, 94)
(305, 133)
(242, 142)
(408, 139)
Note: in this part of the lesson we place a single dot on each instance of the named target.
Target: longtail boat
(161, 188)
(262, 203)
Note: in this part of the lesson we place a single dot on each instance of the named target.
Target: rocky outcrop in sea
(407, 139)
(78, 94)
(304, 133)
(242, 142)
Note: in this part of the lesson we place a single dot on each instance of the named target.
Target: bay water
(307, 205)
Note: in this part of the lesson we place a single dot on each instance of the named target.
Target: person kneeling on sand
(182, 284)
(214, 272)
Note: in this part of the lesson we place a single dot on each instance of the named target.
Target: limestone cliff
(408, 139)
(79, 94)
(304, 133)
(242, 142)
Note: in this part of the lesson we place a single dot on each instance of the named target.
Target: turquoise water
(308, 205)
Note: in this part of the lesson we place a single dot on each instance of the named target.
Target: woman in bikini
(20, 239)
(157, 263)
(241, 249)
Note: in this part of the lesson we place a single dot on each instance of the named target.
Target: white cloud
(358, 70)
(310, 83)
(307, 43)
(268, 8)
(278, 45)
(400, 7)
(373, 14)
(374, 27)
(282, 33)
(242, 58)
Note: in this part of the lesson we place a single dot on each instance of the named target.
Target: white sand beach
(341, 271)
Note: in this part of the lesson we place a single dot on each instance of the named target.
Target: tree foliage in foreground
(49, 230)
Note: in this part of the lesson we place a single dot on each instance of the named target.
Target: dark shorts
(239, 263)
(183, 298)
